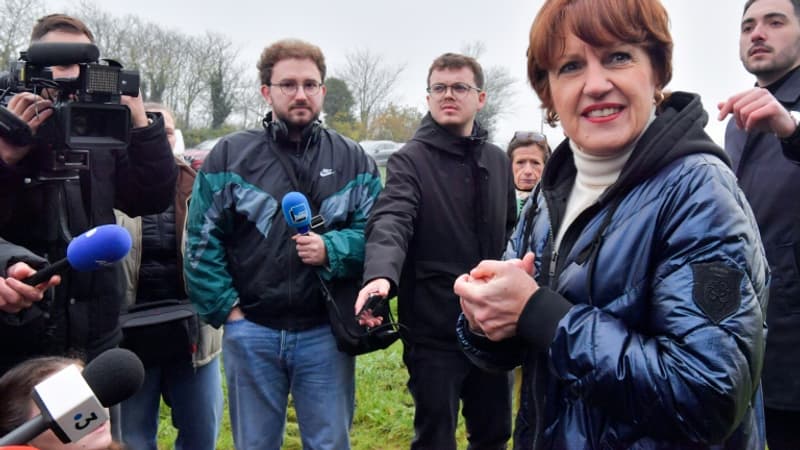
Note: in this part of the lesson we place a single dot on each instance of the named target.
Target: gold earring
(658, 98)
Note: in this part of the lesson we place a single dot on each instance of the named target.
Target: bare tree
(16, 20)
(223, 80)
(198, 77)
(250, 106)
(110, 32)
(371, 82)
(498, 84)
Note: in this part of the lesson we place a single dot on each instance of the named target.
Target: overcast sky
(414, 32)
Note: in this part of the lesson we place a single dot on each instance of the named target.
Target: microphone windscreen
(115, 375)
(297, 211)
(61, 53)
(99, 247)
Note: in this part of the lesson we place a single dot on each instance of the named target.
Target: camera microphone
(98, 247)
(46, 54)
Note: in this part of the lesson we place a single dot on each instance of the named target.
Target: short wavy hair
(287, 49)
(598, 23)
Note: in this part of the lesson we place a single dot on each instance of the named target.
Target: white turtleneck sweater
(595, 175)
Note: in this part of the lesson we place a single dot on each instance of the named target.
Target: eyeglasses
(459, 89)
(529, 136)
(289, 88)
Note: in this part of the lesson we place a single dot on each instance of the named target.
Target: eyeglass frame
(452, 88)
(286, 85)
(525, 138)
(535, 136)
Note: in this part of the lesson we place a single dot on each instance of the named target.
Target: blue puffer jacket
(648, 331)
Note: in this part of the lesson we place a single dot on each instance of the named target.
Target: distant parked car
(380, 150)
(196, 155)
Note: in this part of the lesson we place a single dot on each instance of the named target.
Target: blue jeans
(195, 396)
(264, 365)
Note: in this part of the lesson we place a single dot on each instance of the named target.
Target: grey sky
(414, 32)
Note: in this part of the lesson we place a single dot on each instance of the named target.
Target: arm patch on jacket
(716, 289)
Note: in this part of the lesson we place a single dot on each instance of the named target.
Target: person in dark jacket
(448, 203)
(635, 287)
(247, 268)
(39, 215)
(763, 140)
(186, 370)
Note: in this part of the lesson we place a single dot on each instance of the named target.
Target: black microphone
(46, 54)
(91, 250)
(72, 405)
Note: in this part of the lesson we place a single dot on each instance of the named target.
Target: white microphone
(72, 402)
(68, 403)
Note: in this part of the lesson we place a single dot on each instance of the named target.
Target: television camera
(87, 114)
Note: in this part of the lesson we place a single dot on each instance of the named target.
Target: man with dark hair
(763, 139)
(243, 270)
(40, 213)
(448, 203)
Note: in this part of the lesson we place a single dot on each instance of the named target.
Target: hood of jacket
(434, 135)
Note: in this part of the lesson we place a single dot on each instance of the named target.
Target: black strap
(316, 219)
(528, 222)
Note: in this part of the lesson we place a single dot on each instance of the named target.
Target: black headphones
(279, 131)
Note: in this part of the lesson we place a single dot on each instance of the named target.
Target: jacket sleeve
(391, 225)
(208, 282)
(491, 356)
(146, 172)
(12, 179)
(345, 246)
(691, 366)
(11, 254)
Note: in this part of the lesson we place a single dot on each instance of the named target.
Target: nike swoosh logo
(326, 172)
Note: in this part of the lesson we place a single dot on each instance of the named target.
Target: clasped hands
(494, 293)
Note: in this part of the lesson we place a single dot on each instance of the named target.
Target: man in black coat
(448, 203)
(763, 140)
(42, 208)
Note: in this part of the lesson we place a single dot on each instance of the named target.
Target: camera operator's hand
(33, 110)
(16, 295)
(136, 105)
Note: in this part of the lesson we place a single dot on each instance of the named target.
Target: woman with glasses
(637, 303)
(529, 152)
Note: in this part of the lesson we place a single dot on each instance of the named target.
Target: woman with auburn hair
(634, 289)
(17, 405)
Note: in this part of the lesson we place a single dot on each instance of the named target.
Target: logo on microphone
(299, 213)
(81, 424)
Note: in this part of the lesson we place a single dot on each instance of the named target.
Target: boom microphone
(297, 211)
(73, 405)
(98, 247)
(46, 54)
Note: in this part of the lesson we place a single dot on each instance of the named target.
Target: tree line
(212, 91)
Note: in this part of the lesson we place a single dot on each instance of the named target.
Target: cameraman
(39, 216)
